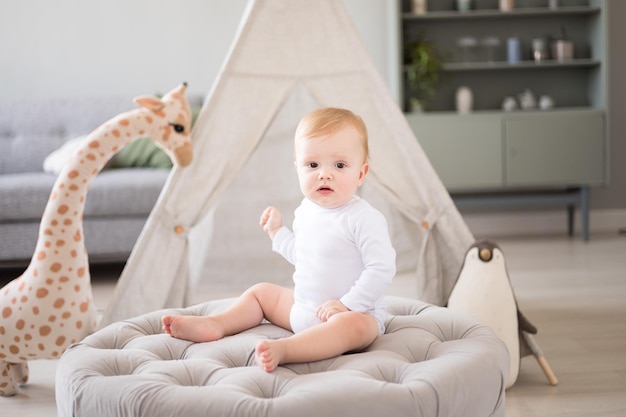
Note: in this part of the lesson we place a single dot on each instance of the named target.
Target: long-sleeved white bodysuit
(342, 253)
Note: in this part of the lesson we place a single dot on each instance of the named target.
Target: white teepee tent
(289, 57)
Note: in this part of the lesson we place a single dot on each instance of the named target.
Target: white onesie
(342, 253)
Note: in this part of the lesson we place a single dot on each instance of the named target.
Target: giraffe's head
(171, 117)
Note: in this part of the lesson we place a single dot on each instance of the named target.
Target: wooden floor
(574, 292)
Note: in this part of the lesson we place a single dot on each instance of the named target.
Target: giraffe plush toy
(50, 306)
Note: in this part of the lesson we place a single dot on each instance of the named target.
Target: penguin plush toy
(483, 290)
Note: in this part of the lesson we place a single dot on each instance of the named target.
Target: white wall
(69, 48)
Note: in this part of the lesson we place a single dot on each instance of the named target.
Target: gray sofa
(118, 201)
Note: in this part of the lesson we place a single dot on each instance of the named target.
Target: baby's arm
(379, 261)
(271, 221)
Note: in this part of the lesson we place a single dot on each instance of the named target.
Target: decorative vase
(464, 100)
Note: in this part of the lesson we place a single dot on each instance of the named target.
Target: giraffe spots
(24, 299)
(19, 325)
(77, 236)
(60, 242)
(52, 318)
(66, 315)
(81, 272)
(36, 310)
(63, 209)
(73, 253)
(91, 157)
(41, 347)
(41, 293)
(60, 340)
(2, 330)
(44, 330)
(94, 144)
(59, 303)
(41, 255)
(149, 119)
(49, 281)
(47, 244)
(47, 232)
(74, 187)
(53, 195)
(77, 288)
(79, 324)
(56, 267)
(14, 349)
(21, 286)
(116, 133)
(84, 306)
(6, 312)
(64, 279)
(73, 174)
(124, 122)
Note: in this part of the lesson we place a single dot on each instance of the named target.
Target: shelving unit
(490, 152)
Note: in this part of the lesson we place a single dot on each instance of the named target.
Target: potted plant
(423, 66)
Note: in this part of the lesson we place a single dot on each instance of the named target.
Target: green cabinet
(559, 150)
(466, 151)
(492, 151)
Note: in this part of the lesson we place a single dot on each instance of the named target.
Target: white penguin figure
(483, 290)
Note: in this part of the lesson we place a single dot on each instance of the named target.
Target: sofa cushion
(141, 153)
(430, 362)
(124, 192)
(31, 130)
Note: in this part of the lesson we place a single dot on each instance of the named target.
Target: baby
(340, 246)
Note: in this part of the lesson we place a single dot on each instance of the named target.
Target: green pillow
(141, 153)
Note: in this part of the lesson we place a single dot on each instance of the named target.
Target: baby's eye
(312, 165)
(340, 165)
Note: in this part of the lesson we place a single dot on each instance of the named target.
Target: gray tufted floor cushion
(430, 362)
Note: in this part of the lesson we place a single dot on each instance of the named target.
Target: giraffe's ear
(151, 103)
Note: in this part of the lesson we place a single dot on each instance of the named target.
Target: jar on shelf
(507, 5)
(419, 6)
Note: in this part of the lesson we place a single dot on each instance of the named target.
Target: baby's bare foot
(269, 354)
(193, 328)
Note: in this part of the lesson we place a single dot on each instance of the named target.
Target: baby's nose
(325, 174)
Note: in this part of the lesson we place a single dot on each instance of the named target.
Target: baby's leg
(342, 333)
(260, 301)
(193, 328)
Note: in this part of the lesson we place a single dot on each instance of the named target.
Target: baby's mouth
(325, 190)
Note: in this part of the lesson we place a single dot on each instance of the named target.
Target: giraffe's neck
(61, 229)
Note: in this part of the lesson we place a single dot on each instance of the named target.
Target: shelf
(524, 65)
(497, 113)
(497, 14)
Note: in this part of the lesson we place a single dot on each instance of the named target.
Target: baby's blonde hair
(328, 120)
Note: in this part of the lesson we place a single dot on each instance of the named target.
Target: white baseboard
(521, 223)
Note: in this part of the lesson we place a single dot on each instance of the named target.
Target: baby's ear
(363, 173)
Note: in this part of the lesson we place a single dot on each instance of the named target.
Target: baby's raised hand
(271, 221)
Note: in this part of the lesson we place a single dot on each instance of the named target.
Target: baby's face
(331, 167)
